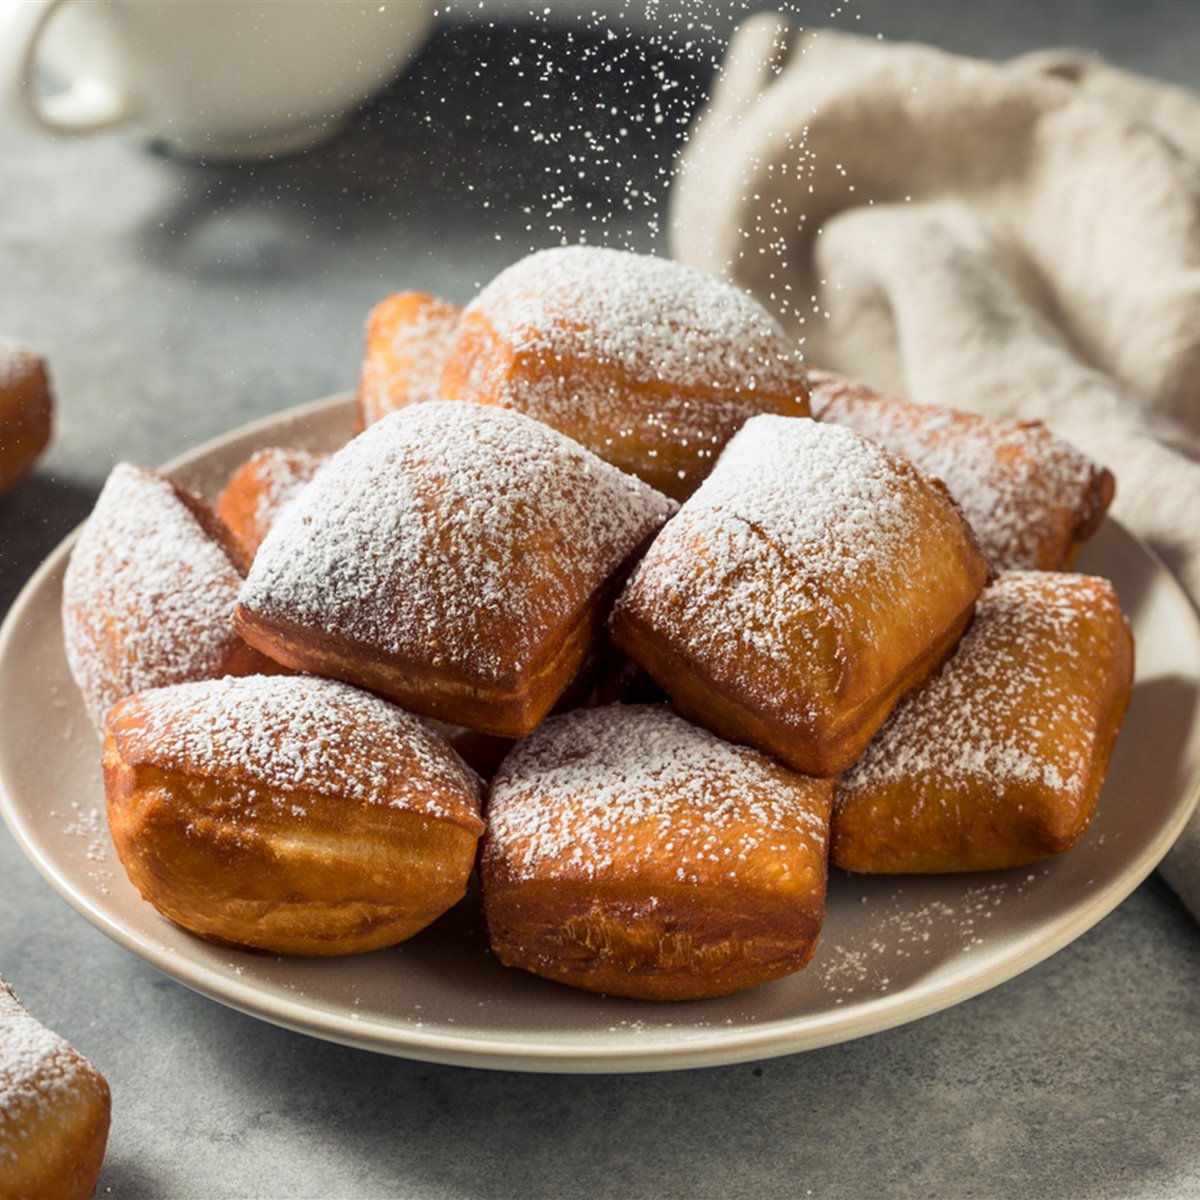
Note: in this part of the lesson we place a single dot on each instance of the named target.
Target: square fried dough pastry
(649, 364)
(288, 813)
(54, 1111)
(811, 581)
(1031, 497)
(457, 558)
(631, 853)
(997, 760)
(260, 489)
(409, 335)
(149, 593)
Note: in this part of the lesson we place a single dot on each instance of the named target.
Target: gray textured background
(176, 301)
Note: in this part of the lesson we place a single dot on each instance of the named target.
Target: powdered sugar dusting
(799, 518)
(271, 478)
(981, 719)
(295, 733)
(38, 1071)
(284, 474)
(728, 594)
(577, 793)
(148, 596)
(653, 317)
(90, 824)
(829, 498)
(453, 532)
(904, 937)
(408, 339)
(1024, 491)
(638, 357)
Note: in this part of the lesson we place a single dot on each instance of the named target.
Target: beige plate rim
(666, 1043)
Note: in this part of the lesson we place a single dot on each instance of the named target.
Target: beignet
(997, 760)
(631, 853)
(456, 558)
(260, 489)
(409, 335)
(149, 593)
(288, 813)
(811, 581)
(649, 364)
(26, 411)
(54, 1111)
(1030, 496)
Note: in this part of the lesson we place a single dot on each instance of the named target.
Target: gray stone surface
(176, 301)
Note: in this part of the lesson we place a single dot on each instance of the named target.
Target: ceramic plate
(892, 949)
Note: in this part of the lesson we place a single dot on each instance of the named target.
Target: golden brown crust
(259, 490)
(408, 339)
(1092, 509)
(1031, 497)
(26, 411)
(998, 760)
(510, 707)
(793, 600)
(650, 365)
(455, 558)
(55, 1109)
(288, 814)
(691, 944)
(823, 748)
(631, 853)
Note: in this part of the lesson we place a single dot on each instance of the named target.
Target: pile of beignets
(592, 605)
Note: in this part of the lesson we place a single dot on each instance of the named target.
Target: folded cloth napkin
(1021, 239)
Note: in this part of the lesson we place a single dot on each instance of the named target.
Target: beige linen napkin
(1020, 239)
